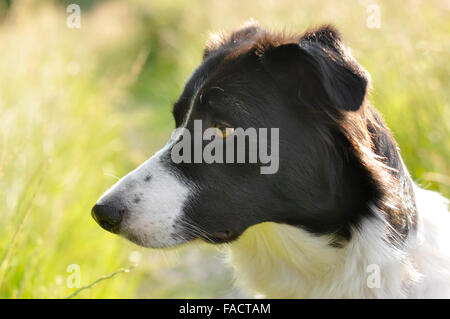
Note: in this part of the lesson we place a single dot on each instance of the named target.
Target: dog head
(305, 86)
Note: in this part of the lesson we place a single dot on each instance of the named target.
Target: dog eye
(222, 131)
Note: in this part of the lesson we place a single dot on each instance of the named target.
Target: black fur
(337, 157)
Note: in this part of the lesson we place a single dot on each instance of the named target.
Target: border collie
(341, 217)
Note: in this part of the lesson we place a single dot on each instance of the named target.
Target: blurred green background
(79, 107)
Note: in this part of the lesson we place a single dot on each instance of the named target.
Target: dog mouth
(189, 230)
(216, 237)
(151, 240)
(223, 236)
(139, 233)
(134, 238)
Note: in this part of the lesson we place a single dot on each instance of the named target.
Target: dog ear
(319, 70)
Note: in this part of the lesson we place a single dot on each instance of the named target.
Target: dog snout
(108, 217)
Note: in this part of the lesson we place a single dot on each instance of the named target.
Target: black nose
(108, 217)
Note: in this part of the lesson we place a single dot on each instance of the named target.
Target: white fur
(151, 221)
(282, 261)
(432, 255)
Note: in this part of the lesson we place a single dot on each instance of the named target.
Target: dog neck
(281, 261)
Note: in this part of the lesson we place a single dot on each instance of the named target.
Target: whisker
(195, 229)
(106, 174)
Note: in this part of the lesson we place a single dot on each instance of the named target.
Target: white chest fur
(281, 261)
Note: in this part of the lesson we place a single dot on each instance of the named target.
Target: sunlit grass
(52, 138)
(79, 107)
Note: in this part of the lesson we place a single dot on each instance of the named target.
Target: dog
(341, 217)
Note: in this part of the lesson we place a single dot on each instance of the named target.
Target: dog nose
(108, 217)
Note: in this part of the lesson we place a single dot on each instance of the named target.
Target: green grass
(79, 107)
